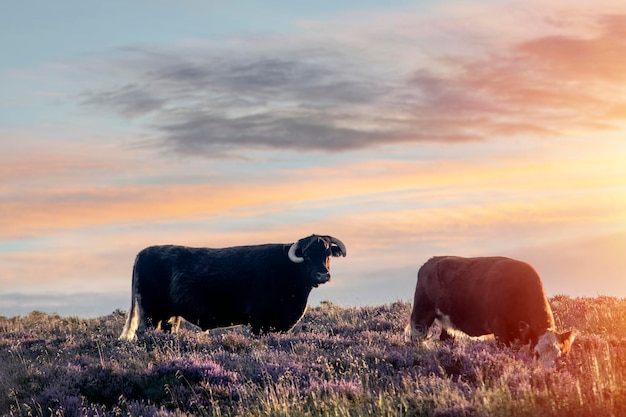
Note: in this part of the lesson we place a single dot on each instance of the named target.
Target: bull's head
(315, 252)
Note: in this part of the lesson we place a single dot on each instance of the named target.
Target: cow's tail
(132, 320)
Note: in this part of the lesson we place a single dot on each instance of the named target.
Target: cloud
(203, 102)
(379, 81)
(129, 100)
(582, 58)
(202, 133)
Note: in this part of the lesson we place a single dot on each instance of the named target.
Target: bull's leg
(149, 319)
(258, 330)
(149, 322)
(175, 322)
(133, 321)
(171, 325)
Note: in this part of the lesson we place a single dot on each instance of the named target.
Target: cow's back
(474, 276)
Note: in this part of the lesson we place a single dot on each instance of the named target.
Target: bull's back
(152, 269)
(207, 263)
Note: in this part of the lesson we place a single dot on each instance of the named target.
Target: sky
(407, 129)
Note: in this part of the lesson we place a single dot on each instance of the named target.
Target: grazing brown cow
(483, 296)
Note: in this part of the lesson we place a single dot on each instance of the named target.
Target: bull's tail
(133, 318)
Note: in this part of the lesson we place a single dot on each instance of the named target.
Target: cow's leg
(422, 317)
(501, 331)
(417, 329)
(446, 336)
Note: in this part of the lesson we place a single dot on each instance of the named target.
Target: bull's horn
(340, 244)
(292, 254)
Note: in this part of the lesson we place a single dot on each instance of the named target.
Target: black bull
(265, 286)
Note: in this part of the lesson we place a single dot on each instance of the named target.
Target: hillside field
(338, 361)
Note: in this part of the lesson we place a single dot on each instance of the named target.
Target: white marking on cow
(444, 321)
(548, 349)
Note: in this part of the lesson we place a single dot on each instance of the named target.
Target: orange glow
(514, 191)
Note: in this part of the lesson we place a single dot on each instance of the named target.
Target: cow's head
(315, 252)
(551, 345)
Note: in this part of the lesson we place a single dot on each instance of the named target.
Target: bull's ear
(524, 331)
(565, 340)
